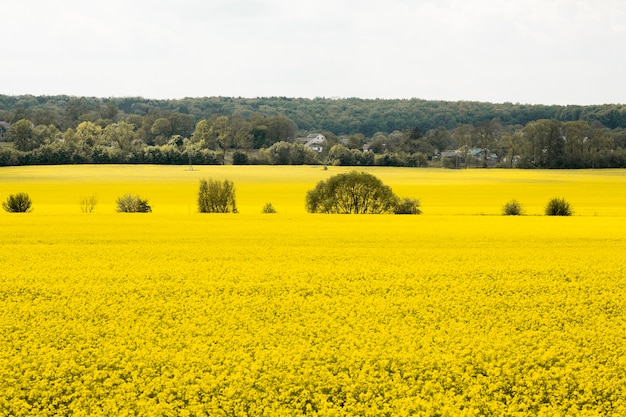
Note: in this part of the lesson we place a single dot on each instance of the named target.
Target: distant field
(459, 311)
(173, 189)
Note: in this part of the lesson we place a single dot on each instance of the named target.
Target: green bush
(18, 203)
(240, 158)
(558, 207)
(512, 208)
(129, 203)
(358, 193)
(268, 209)
(216, 197)
(407, 206)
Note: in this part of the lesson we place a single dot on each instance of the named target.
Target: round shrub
(129, 203)
(18, 203)
(353, 192)
(268, 209)
(512, 208)
(407, 206)
(357, 193)
(558, 207)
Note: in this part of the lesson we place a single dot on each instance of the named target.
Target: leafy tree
(511, 145)
(241, 133)
(18, 203)
(286, 153)
(130, 203)
(162, 130)
(88, 135)
(119, 135)
(21, 134)
(240, 158)
(216, 197)
(485, 137)
(353, 192)
(545, 139)
(202, 133)
(340, 155)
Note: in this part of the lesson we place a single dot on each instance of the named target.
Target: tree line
(218, 130)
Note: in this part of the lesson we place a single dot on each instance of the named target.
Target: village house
(313, 141)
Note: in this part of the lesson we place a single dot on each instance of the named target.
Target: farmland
(459, 311)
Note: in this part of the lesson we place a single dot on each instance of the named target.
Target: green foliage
(268, 209)
(352, 192)
(407, 206)
(512, 208)
(130, 203)
(240, 158)
(558, 207)
(21, 133)
(18, 203)
(216, 197)
(68, 130)
(286, 153)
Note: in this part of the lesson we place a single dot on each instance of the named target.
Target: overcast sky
(526, 51)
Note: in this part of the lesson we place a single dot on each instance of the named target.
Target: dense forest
(216, 130)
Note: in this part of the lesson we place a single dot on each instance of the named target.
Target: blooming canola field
(456, 312)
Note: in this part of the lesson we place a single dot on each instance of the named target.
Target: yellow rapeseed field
(457, 312)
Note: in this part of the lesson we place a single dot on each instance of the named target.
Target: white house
(313, 141)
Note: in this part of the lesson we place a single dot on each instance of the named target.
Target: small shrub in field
(88, 203)
(558, 207)
(408, 206)
(216, 197)
(512, 208)
(129, 203)
(18, 203)
(268, 209)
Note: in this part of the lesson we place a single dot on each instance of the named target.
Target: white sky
(527, 51)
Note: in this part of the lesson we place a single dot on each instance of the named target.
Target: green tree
(241, 133)
(216, 197)
(280, 128)
(511, 145)
(88, 135)
(576, 135)
(546, 143)
(599, 143)
(119, 135)
(353, 192)
(463, 136)
(21, 134)
(340, 155)
(162, 130)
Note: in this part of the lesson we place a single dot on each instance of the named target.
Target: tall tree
(21, 134)
(88, 135)
(119, 135)
(162, 130)
(241, 135)
(512, 144)
(463, 136)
